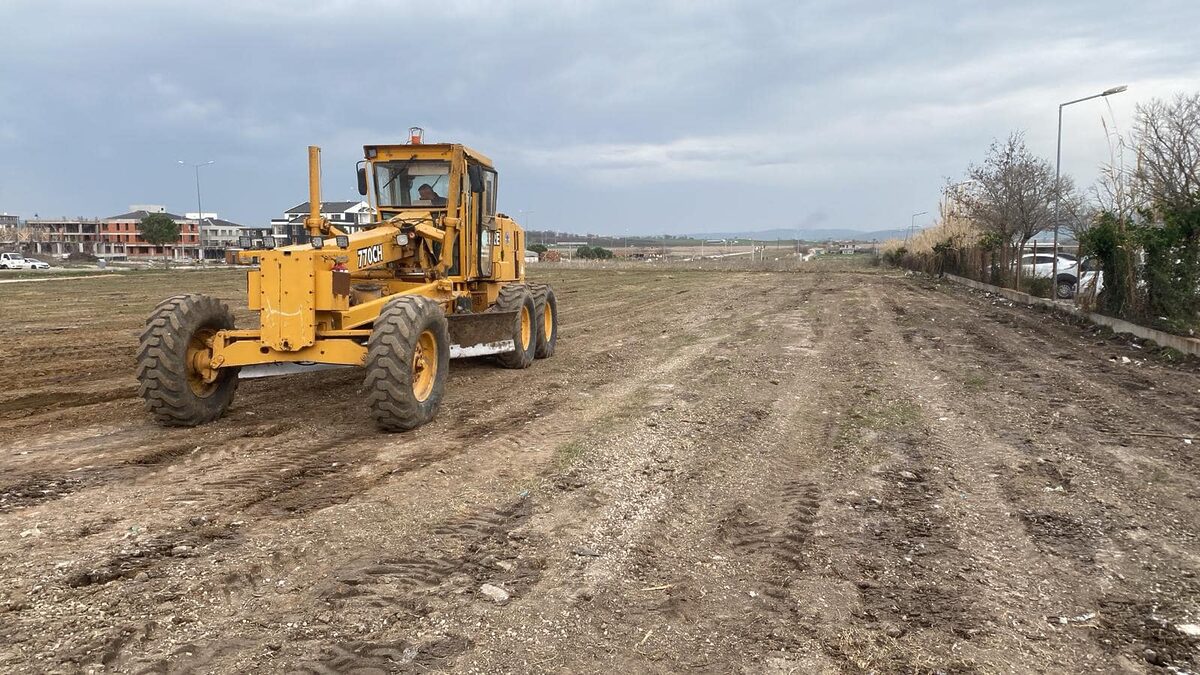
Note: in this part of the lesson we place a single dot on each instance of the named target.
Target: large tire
(405, 383)
(169, 381)
(516, 297)
(547, 319)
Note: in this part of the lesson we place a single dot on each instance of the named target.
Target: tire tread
(389, 353)
(161, 369)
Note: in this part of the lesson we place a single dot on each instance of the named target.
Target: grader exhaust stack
(438, 273)
(314, 220)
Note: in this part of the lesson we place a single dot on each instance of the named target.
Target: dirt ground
(829, 469)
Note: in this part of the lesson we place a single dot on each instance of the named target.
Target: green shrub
(1110, 241)
(1172, 269)
(1038, 286)
(586, 252)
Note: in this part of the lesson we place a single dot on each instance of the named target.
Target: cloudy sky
(645, 117)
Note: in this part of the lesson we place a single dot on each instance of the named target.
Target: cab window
(413, 183)
(489, 198)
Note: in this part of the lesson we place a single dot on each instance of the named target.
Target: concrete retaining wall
(1186, 345)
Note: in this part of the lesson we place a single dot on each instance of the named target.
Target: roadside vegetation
(1140, 225)
(586, 252)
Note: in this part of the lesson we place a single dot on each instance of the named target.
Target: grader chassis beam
(470, 335)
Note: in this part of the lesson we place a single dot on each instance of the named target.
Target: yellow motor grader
(437, 274)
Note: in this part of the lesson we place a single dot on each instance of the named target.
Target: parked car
(1069, 272)
(1042, 265)
(16, 261)
(1090, 280)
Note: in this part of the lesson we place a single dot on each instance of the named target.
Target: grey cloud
(674, 116)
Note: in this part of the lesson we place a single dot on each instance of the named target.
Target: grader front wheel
(408, 357)
(175, 374)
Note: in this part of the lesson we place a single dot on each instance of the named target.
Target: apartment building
(118, 236)
(346, 216)
(121, 236)
(61, 236)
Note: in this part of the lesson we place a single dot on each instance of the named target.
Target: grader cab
(438, 274)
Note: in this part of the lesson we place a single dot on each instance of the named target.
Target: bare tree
(1115, 191)
(1168, 143)
(1010, 194)
(1076, 212)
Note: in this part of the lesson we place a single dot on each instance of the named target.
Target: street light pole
(528, 225)
(1058, 185)
(912, 225)
(199, 207)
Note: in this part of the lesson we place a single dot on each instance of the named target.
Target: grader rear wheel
(175, 374)
(547, 320)
(408, 357)
(516, 297)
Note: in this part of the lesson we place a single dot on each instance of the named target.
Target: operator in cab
(427, 194)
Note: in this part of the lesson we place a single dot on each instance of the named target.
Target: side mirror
(362, 179)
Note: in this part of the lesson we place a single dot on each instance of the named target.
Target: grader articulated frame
(439, 273)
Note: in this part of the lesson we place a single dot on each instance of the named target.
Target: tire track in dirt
(639, 536)
(462, 554)
(1089, 415)
(783, 532)
(894, 560)
(122, 458)
(421, 582)
(523, 409)
(469, 432)
(40, 401)
(1069, 514)
(1068, 342)
(811, 485)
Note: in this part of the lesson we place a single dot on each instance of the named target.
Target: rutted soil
(823, 469)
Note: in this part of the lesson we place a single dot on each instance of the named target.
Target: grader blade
(481, 334)
(272, 369)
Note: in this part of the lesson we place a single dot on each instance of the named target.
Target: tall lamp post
(1057, 174)
(199, 208)
(912, 224)
(528, 224)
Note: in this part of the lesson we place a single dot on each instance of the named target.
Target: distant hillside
(637, 239)
(809, 234)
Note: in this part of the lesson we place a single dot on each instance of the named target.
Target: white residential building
(346, 216)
